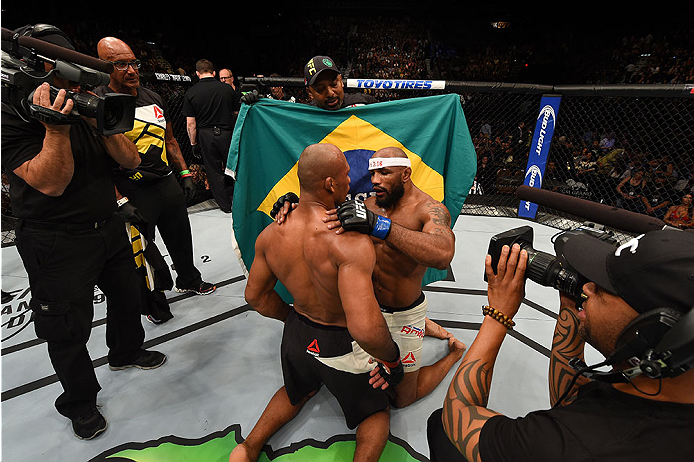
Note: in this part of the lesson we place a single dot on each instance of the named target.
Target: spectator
(631, 191)
(681, 216)
(657, 197)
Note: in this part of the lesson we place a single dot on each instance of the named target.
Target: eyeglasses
(226, 78)
(123, 65)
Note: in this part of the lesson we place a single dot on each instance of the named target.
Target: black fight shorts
(314, 354)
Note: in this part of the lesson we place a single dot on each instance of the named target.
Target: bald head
(390, 152)
(117, 51)
(323, 169)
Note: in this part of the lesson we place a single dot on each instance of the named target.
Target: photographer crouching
(634, 305)
(67, 235)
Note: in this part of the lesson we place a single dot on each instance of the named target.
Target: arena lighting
(500, 24)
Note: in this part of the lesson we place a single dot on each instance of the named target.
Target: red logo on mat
(313, 347)
(409, 359)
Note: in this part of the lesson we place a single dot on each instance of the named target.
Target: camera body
(544, 268)
(23, 71)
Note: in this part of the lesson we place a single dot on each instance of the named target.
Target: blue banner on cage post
(539, 148)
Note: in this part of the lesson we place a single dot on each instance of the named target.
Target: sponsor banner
(539, 148)
(396, 84)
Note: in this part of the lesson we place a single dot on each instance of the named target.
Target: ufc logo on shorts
(413, 330)
(360, 210)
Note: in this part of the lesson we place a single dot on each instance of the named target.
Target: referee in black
(209, 110)
(69, 240)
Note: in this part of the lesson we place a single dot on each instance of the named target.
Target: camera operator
(626, 414)
(69, 241)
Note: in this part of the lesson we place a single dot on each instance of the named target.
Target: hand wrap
(354, 216)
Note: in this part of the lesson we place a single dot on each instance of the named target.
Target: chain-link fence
(630, 147)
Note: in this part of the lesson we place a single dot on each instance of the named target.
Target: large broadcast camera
(544, 268)
(23, 70)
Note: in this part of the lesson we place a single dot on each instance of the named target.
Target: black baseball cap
(315, 66)
(653, 270)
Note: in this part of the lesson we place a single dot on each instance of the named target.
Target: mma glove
(279, 203)
(188, 188)
(394, 373)
(197, 151)
(128, 212)
(251, 97)
(354, 216)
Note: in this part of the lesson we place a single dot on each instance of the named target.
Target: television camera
(23, 59)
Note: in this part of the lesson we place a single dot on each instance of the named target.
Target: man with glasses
(152, 187)
(226, 76)
(209, 109)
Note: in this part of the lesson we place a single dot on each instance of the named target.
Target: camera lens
(544, 269)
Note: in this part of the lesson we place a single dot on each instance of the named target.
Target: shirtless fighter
(335, 324)
(411, 232)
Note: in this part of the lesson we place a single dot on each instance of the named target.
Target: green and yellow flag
(270, 135)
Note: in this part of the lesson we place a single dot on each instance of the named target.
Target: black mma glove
(394, 374)
(354, 216)
(129, 213)
(279, 203)
(188, 187)
(197, 151)
(250, 97)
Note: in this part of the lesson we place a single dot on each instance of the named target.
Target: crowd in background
(415, 48)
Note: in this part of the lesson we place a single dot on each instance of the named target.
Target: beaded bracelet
(499, 316)
(185, 173)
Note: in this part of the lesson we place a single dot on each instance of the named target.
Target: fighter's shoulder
(351, 246)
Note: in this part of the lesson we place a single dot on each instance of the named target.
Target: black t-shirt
(655, 195)
(148, 134)
(212, 103)
(602, 424)
(89, 196)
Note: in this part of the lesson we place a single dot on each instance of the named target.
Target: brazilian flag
(270, 135)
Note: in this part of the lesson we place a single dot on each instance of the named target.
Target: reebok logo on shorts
(409, 360)
(313, 349)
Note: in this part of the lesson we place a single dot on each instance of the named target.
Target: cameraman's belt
(52, 226)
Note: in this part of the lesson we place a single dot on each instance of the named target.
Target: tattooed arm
(566, 344)
(434, 246)
(465, 406)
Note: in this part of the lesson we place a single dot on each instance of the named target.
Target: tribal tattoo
(439, 214)
(566, 344)
(464, 409)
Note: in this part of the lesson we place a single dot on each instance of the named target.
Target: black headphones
(658, 343)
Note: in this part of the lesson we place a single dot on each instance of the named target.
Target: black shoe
(144, 360)
(204, 288)
(154, 320)
(89, 425)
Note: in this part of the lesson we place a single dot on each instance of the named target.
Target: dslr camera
(543, 268)
(23, 58)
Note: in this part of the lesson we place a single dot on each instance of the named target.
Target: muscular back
(316, 265)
